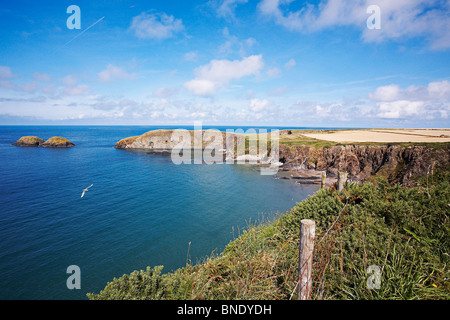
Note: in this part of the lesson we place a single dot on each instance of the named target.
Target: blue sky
(226, 62)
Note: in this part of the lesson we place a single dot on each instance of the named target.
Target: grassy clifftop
(403, 231)
(301, 138)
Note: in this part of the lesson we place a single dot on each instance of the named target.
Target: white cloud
(7, 84)
(191, 56)
(113, 73)
(220, 72)
(290, 64)
(72, 88)
(45, 77)
(386, 93)
(48, 90)
(399, 19)
(257, 105)
(70, 80)
(156, 26)
(430, 101)
(278, 91)
(234, 45)
(5, 72)
(78, 90)
(201, 87)
(165, 92)
(400, 109)
(227, 8)
(439, 89)
(273, 72)
(28, 87)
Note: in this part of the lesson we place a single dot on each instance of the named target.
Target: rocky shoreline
(396, 163)
(306, 176)
(305, 163)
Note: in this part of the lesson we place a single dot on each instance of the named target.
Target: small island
(57, 142)
(54, 142)
(28, 141)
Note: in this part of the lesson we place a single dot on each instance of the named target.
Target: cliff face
(395, 162)
(168, 139)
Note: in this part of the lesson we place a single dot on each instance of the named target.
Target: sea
(142, 210)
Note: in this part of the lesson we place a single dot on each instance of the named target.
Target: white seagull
(84, 190)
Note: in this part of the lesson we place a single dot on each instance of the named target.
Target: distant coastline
(396, 154)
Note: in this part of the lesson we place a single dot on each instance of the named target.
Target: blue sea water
(143, 210)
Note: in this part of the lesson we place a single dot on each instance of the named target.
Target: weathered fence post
(324, 179)
(342, 178)
(307, 233)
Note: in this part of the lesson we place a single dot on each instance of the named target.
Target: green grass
(57, 140)
(31, 140)
(403, 231)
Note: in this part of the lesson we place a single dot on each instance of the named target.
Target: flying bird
(84, 190)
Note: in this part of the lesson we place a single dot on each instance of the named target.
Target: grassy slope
(57, 140)
(402, 231)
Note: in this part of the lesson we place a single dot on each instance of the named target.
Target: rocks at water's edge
(54, 142)
(397, 163)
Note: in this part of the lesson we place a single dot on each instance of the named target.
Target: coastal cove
(143, 210)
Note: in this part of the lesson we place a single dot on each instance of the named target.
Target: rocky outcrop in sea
(54, 142)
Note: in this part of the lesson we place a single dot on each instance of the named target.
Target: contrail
(83, 31)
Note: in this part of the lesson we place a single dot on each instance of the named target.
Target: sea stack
(57, 142)
(28, 141)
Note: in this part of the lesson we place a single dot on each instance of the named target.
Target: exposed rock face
(395, 162)
(168, 139)
(28, 141)
(57, 142)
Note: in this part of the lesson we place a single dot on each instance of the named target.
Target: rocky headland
(165, 140)
(306, 158)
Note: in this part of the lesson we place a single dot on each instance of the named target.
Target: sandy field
(385, 135)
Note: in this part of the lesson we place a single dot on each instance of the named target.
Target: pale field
(384, 135)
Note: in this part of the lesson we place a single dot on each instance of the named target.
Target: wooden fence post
(324, 179)
(307, 233)
(342, 178)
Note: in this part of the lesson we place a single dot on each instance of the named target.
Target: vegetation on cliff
(57, 142)
(124, 142)
(28, 141)
(54, 142)
(403, 231)
(397, 162)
